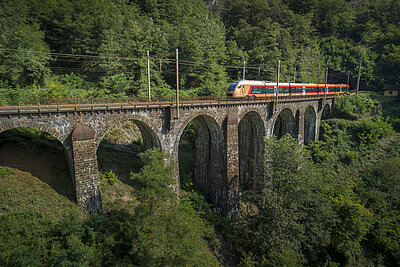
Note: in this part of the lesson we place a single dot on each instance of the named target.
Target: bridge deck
(22, 107)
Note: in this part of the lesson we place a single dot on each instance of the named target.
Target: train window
(265, 90)
(296, 89)
(256, 90)
(310, 89)
(232, 86)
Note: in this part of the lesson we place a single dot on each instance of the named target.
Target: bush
(346, 141)
(108, 177)
(356, 106)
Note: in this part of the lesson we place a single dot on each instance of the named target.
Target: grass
(22, 192)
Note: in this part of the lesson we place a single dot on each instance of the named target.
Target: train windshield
(232, 86)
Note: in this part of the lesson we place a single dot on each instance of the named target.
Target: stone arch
(326, 112)
(310, 120)
(182, 126)
(146, 127)
(209, 164)
(251, 131)
(65, 187)
(38, 126)
(284, 124)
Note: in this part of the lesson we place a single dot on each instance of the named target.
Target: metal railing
(186, 100)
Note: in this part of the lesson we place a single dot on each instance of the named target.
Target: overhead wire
(76, 58)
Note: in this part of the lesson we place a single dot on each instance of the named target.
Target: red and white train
(252, 89)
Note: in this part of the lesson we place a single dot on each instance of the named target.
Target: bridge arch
(147, 129)
(49, 160)
(326, 112)
(208, 141)
(310, 122)
(285, 123)
(39, 126)
(251, 131)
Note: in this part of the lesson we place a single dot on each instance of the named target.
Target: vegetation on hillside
(158, 231)
(81, 49)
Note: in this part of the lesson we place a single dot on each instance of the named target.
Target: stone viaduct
(229, 134)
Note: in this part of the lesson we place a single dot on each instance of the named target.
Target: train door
(304, 90)
(244, 90)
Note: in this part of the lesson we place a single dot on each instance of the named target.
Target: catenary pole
(148, 75)
(277, 86)
(294, 75)
(358, 78)
(244, 70)
(177, 85)
(326, 81)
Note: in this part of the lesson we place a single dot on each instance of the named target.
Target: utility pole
(348, 81)
(148, 74)
(294, 75)
(319, 69)
(244, 69)
(326, 81)
(177, 85)
(259, 71)
(277, 86)
(359, 74)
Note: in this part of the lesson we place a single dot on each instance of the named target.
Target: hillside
(88, 49)
(21, 192)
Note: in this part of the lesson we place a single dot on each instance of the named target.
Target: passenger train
(253, 89)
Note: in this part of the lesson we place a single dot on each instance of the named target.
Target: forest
(93, 49)
(334, 202)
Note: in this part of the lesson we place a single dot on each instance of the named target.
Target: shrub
(356, 106)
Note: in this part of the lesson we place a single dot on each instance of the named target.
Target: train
(253, 89)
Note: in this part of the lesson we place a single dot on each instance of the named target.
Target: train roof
(253, 82)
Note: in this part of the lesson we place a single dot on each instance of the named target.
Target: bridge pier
(87, 183)
(300, 129)
(232, 165)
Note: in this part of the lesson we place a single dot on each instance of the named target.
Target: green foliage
(108, 177)
(167, 232)
(380, 190)
(114, 36)
(346, 141)
(4, 171)
(171, 233)
(294, 218)
(172, 236)
(356, 106)
(154, 180)
(354, 222)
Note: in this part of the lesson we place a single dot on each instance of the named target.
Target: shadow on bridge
(201, 158)
(39, 153)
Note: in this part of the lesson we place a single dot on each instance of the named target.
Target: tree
(167, 232)
(293, 217)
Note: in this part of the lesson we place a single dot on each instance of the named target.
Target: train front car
(230, 92)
